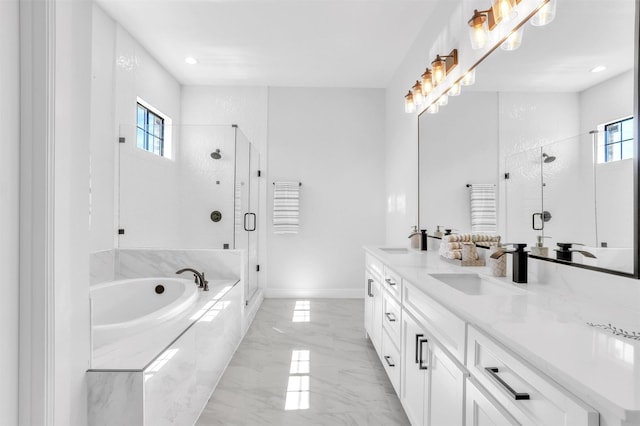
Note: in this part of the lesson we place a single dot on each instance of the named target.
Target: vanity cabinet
(531, 398)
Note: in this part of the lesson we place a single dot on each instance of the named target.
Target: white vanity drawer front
(511, 381)
(374, 266)
(391, 318)
(392, 282)
(390, 357)
(447, 328)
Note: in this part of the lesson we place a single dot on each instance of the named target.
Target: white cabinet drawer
(448, 329)
(532, 398)
(391, 318)
(392, 282)
(390, 357)
(374, 266)
(483, 410)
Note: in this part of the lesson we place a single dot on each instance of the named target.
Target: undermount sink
(476, 285)
(395, 250)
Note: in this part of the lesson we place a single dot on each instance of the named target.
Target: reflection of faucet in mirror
(565, 252)
(520, 258)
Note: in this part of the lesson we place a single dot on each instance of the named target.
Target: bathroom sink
(477, 285)
(395, 250)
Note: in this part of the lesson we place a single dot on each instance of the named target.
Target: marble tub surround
(174, 386)
(137, 350)
(546, 325)
(102, 266)
(320, 339)
(217, 264)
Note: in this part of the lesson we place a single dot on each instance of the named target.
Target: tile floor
(305, 363)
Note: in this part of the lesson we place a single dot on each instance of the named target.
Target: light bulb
(455, 89)
(513, 41)
(427, 85)
(478, 30)
(469, 78)
(545, 15)
(409, 106)
(418, 98)
(443, 100)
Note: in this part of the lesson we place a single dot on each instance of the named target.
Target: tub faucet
(200, 281)
(565, 251)
(520, 258)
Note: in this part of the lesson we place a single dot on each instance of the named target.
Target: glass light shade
(545, 15)
(455, 90)
(409, 106)
(443, 100)
(433, 109)
(427, 85)
(438, 70)
(513, 41)
(478, 30)
(503, 10)
(418, 98)
(469, 78)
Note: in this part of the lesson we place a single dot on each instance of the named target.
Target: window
(150, 130)
(618, 140)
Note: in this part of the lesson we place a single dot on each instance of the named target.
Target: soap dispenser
(415, 238)
(438, 233)
(539, 249)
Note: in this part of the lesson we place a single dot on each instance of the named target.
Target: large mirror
(549, 129)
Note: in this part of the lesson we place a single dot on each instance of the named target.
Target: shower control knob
(216, 216)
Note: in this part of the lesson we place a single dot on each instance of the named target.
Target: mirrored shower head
(216, 155)
(545, 157)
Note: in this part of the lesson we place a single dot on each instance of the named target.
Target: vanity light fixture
(514, 40)
(433, 108)
(409, 106)
(427, 84)
(545, 15)
(480, 24)
(418, 98)
(443, 100)
(191, 60)
(469, 78)
(442, 65)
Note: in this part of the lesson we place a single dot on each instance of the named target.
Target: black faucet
(520, 258)
(566, 250)
(200, 281)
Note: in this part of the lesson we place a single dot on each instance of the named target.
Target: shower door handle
(533, 222)
(246, 215)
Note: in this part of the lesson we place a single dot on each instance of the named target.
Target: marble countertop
(542, 326)
(137, 351)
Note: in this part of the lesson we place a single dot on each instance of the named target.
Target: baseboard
(315, 293)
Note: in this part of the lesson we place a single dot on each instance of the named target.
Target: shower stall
(201, 192)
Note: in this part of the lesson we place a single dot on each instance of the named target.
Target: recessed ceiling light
(599, 68)
(190, 60)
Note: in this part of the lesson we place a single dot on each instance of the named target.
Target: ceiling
(311, 43)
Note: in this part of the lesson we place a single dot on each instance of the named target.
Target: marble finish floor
(305, 362)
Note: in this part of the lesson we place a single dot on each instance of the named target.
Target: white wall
(9, 187)
(331, 140)
(606, 102)
(454, 155)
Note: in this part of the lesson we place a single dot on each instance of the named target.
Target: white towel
(286, 207)
(483, 208)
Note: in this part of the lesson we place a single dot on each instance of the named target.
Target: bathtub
(124, 307)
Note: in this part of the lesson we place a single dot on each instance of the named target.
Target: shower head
(548, 158)
(216, 155)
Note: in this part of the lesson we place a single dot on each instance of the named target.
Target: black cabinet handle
(493, 372)
(421, 364)
(418, 336)
(390, 362)
(390, 316)
(369, 282)
(388, 280)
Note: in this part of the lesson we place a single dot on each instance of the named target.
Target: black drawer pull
(390, 362)
(418, 336)
(388, 280)
(421, 363)
(390, 317)
(369, 282)
(493, 371)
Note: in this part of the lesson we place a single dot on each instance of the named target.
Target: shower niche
(201, 192)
